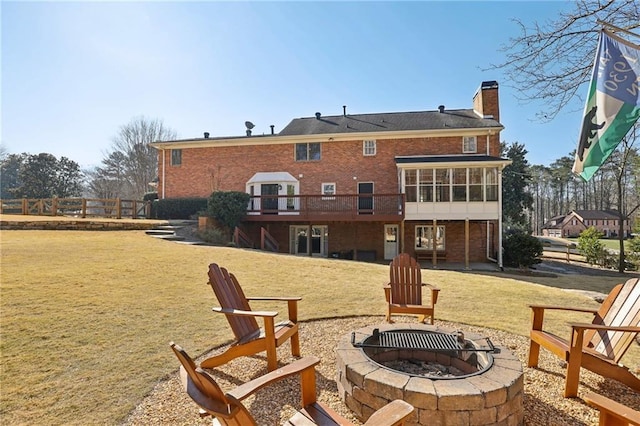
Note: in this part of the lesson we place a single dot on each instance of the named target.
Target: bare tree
(550, 61)
(132, 164)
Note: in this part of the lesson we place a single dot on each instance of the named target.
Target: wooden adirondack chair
(597, 346)
(250, 338)
(612, 413)
(228, 410)
(404, 291)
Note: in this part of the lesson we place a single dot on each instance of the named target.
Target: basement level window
(176, 157)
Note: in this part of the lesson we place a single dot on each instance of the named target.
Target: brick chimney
(485, 101)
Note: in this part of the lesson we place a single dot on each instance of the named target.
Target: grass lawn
(86, 317)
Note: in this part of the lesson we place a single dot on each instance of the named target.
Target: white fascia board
(325, 137)
(444, 164)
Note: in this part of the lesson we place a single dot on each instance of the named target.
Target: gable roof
(597, 214)
(389, 122)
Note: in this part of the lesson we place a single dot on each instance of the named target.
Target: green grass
(86, 317)
(612, 244)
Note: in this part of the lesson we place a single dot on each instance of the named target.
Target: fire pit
(448, 376)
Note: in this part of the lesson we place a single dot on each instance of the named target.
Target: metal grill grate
(417, 340)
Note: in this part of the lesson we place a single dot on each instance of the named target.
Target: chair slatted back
(620, 308)
(405, 280)
(230, 296)
(199, 385)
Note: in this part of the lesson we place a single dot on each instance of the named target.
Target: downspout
(163, 172)
(500, 219)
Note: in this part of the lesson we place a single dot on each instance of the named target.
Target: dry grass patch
(86, 317)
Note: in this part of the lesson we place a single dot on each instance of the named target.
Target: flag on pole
(613, 103)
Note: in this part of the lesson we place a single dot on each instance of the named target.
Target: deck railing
(77, 207)
(331, 207)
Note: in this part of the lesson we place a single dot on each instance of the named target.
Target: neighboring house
(572, 224)
(366, 186)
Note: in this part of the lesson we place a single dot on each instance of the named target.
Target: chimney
(318, 115)
(485, 101)
(344, 110)
(441, 109)
(206, 135)
(248, 132)
(272, 126)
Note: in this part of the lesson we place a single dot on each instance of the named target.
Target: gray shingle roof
(390, 121)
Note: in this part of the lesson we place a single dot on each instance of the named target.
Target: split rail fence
(77, 207)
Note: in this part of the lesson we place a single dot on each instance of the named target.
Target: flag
(613, 103)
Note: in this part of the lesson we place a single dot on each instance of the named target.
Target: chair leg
(573, 366)
(534, 354)
(295, 345)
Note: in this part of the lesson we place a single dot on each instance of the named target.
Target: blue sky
(74, 72)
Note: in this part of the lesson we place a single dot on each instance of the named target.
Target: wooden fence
(77, 207)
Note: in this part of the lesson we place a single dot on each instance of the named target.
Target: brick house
(576, 221)
(363, 186)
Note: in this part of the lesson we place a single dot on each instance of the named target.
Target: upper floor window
(469, 145)
(411, 185)
(176, 157)
(308, 151)
(369, 147)
(492, 183)
(459, 185)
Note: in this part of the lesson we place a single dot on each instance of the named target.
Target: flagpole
(606, 24)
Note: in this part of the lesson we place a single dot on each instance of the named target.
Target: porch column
(466, 243)
(434, 254)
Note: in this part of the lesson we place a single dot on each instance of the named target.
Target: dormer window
(469, 145)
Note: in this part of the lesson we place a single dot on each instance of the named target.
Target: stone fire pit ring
(494, 397)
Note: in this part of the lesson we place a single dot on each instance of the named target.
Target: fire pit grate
(416, 339)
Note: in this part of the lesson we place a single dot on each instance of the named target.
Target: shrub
(590, 246)
(228, 208)
(521, 250)
(178, 208)
(215, 236)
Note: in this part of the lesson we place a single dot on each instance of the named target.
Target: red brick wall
(204, 170)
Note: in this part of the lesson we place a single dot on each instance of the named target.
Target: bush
(590, 246)
(228, 208)
(521, 250)
(178, 208)
(213, 235)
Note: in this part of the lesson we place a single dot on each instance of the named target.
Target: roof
(448, 159)
(597, 214)
(389, 121)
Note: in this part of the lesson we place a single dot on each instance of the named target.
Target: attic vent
(318, 115)
(206, 135)
(441, 108)
(272, 126)
(344, 110)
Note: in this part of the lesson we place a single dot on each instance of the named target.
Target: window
(459, 185)
(492, 184)
(308, 151)
(328, 189)
(411, 185)
(469, 144)
(443, 179)
(176, 157)
(475, 184)
(425, 237)
(425, 189)
(369, 147)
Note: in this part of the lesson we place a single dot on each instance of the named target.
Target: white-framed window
(369, 147)
(469, 145)
(425, 237)
(176, 157)
(328, 190)
(308, 151)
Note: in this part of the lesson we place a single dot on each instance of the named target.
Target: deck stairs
(172, 232)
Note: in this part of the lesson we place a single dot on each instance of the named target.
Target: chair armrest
(239, 312)
(610, 409)
(392, 414)
(296, 367)
(282, 299)
(563, 308)
(589, 326)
